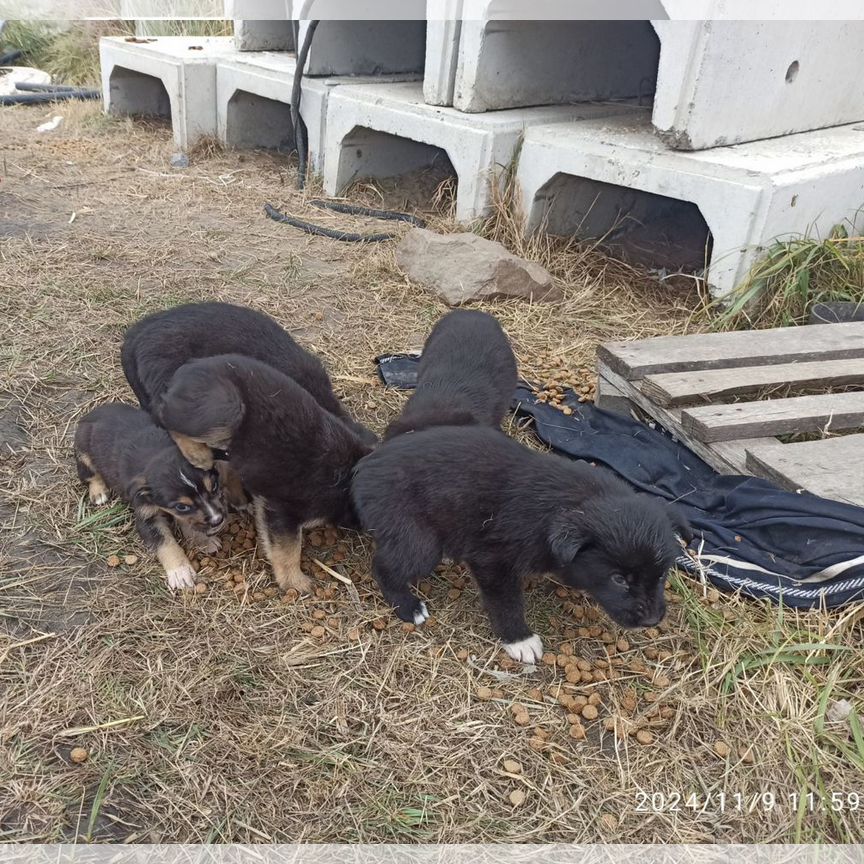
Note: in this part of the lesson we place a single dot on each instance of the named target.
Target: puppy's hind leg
(97, 488)
(504, 601)
(283, 545)
(158, 539)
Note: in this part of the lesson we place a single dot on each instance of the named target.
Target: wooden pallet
(698, 386)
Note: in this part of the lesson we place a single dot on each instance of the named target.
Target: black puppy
(120, 449)
(474, 495)
(293, 457)
(155, 347)
(467, 375)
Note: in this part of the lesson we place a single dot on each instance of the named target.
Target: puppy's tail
(202, 404)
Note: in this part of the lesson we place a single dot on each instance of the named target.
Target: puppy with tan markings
(466, 376)
(293, 457)
(120, 450)
(155, 347)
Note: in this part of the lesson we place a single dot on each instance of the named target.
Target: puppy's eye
(183, 508)
(620, 580)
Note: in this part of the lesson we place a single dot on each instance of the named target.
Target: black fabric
(771, 541)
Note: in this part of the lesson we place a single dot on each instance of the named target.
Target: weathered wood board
(635, 360)
(672, 389)
(830, 467)
(770, 417)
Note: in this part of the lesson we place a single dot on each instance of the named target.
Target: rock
(179, 160)
(463, 267)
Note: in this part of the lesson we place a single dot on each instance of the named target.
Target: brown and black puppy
(466, 376)
(120, 450)
(472, 494)
(155, 347)
(293, 457)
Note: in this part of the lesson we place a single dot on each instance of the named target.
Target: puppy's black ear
(680, 523)
(201, 404)
(567, 539)
(138, 491)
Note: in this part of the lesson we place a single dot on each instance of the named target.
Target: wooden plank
(635, 360)
(709, 385)
(727, 457)
(832, 468)
(774, 417)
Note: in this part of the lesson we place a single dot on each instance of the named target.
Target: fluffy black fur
(467, 374)
(121, 448)
(471, 494)
(155, 347)
(289, 453)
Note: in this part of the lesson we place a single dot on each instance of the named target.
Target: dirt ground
(235, 714)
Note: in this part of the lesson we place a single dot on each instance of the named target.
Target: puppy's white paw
(421, 616)
(181, 578)
(528, 650)
(98, 498)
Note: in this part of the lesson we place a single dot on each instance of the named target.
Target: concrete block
(253, 99)
(590, 178)
(559, 62)
(727, 82)
(443, 40)
(261, 25)
(384, 130)
(172, 76)
(366, 47)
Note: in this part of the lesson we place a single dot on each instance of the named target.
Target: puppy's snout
(215, 520)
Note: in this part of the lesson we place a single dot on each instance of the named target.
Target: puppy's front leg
(504, 600)
(283, 543)
(156, 534)
(235, 494)
(196, 453)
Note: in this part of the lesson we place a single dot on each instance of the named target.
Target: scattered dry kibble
(589, 712)
(517, 797)
(722, 749)
(522, 719)
(201, 588)
(113, 561)
(549, 659)
(354, 634)
(78, 755)
(130, 560)
(577, 731)
(609, 822)
(484, 693)
(622, 645)
(317, 632)
(462, 654)
(380, 624)
(535, 694)
(511, 766)
(643, 736)
(319, 614)
(746, 755)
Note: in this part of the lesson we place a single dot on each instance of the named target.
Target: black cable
(41, 98)
(296, 121)
(29, 87)
(356, 210)
(311, 228)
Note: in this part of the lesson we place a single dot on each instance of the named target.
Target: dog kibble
(663, 682)
(562, 661)
(643, 736)
(258, 596)
(577, 731)
(113, 561)
(609, 724)
(78, 755)
(537, 744)
(317, 632)
(589, 712)
(454, 594)
(319, 614)
(354, 634)
(651, 653)
(628, 700)
(291, 596)
(722, 749)
(511, 766)
(201, 588)
(535, 694)
(497, 694)
(517, 797)
(609, 822)
(594, 699)
(667, 712)
(130, 560)
(746, 755)
(407, 627)
(462, 654)
(484, 694)
(622, 645)
(549, 659)
(379, 624)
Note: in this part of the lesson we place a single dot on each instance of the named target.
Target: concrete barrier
(384, 130)
(601, 178)
(171, 76)
(262, 25)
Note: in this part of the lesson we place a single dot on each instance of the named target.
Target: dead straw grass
(209, 719)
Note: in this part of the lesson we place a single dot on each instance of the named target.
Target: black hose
(296, 92)
(29, 87)
(10, 57)
(41, 98)
(356, 210)
(318, 230)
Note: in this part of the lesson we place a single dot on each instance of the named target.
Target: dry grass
(217, 717)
